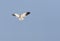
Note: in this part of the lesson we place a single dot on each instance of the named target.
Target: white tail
(21, 18)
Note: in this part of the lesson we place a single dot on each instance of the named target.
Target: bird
(21, 16)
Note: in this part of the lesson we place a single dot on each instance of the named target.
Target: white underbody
(20, 16)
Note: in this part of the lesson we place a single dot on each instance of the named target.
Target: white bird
(21, 16)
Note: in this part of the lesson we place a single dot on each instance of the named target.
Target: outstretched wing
(17, 15)
(25, 14)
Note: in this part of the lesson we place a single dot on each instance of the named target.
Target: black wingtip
(13, 14)
(28, 13)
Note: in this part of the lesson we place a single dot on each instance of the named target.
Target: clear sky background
(43, 24)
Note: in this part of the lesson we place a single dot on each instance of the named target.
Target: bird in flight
(21, 16)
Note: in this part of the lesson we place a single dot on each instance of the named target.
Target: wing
(17, 15)
(25, 14)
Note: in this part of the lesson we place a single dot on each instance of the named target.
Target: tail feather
(21, 18)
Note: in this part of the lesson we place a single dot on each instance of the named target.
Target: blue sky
(43, 24)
